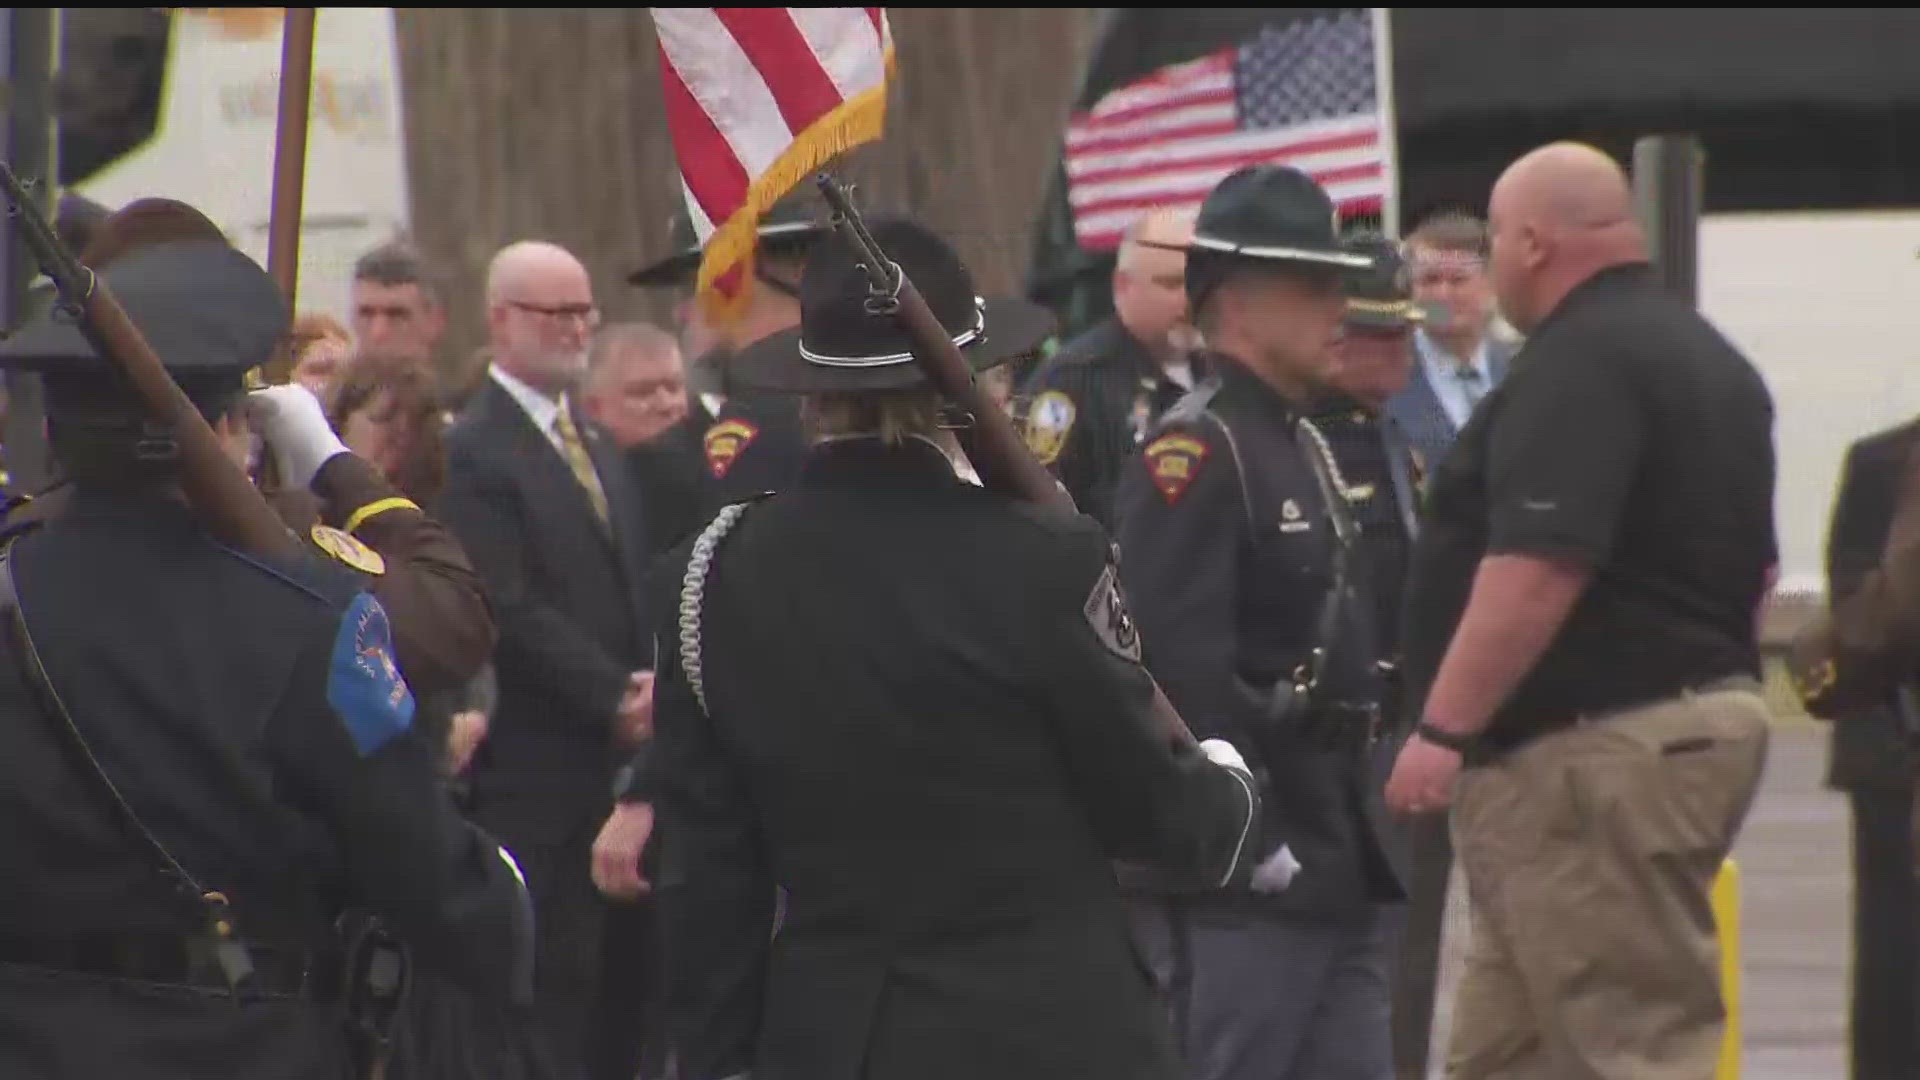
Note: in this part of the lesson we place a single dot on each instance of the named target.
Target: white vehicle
(213, 143)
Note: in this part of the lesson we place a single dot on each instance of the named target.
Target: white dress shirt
(540, 408)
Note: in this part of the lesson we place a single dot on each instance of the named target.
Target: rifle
(232, 509)
(996, 451)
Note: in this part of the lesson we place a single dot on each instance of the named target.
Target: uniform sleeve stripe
(374, 509)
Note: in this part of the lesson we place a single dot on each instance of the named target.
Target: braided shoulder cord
(693, 587)
(1333, 463)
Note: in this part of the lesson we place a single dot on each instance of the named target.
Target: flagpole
(290, 165)
(1389, 128)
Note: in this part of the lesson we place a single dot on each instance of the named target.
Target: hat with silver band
(1265, 214)
(841, 346)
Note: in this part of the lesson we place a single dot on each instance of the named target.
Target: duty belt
(1334, 725)
(178, 959)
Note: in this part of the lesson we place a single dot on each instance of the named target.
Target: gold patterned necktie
(575, 452)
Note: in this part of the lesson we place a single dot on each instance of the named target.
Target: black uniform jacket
(1870, 746)
(244, 708)
(929, 729)
(1227, 551)
(1089, 407)
(754, 444)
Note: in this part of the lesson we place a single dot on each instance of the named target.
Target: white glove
(296, 430)
(1276, 873)
(1221, 752)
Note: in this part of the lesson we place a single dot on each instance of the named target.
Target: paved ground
(1796, 909)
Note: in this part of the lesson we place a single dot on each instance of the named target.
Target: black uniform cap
(841, 346)
(210, 313)
(1380, 294)
(1270, 215)
(789, 226)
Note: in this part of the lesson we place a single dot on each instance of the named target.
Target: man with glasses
(1090, 404)
(544, 505)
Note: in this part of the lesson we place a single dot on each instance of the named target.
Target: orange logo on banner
(241, 24)
(725, 442)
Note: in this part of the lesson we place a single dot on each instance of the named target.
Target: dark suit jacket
(1869, 748)
(928, 723)
(1416, 408)
(569, 600)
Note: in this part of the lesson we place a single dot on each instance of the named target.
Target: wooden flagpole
(290, 165)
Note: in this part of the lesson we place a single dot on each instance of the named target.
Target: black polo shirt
(1630, 437)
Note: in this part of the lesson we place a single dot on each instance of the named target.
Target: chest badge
(1173, 461)
(1141, 417)
(1049, 419)
(725, 442)
(346, 548)
(1290, 519)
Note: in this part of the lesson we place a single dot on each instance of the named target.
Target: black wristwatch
(1440, 736)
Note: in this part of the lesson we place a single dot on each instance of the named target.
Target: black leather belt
(1335, 725)
(169, 958)
(1495, 745)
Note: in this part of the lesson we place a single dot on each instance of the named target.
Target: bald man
(1091, 403)
(542, 501)
(1581, 632)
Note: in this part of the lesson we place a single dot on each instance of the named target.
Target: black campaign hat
(1269, 214)
(209, 312)
(841, 346)
(792, 223)
(1380, 295)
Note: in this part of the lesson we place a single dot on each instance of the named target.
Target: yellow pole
(1726, 918)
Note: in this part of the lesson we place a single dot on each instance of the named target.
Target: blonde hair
(315, 326)
(893, 415)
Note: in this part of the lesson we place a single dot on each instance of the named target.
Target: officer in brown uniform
(338, 502)
(1855, 667)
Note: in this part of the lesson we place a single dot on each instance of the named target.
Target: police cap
(1380, 294)
(790, 226)
(209, 312)
(1273, 215)
(840, 345)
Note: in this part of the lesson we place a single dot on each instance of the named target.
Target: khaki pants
(1589, 857)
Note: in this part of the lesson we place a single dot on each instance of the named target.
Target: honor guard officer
(1090, 404)
(206, 753)
(1372, 462)
(1243, 543)
(918, 709)
(337, 501)
(734, 443)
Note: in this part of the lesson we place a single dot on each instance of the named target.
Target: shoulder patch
(343, 546)
(1106, 612)
(1049, 419)
(1173, 461)
(364, 685)
(724, 442)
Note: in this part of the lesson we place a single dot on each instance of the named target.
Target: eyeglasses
(586, 313)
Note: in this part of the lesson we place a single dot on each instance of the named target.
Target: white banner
(214, 142)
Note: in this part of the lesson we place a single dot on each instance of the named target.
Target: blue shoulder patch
(364, 685)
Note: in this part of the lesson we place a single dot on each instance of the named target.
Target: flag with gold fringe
(756, 100)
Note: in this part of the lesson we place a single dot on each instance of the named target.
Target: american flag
(757, 99)
(1305, 94)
